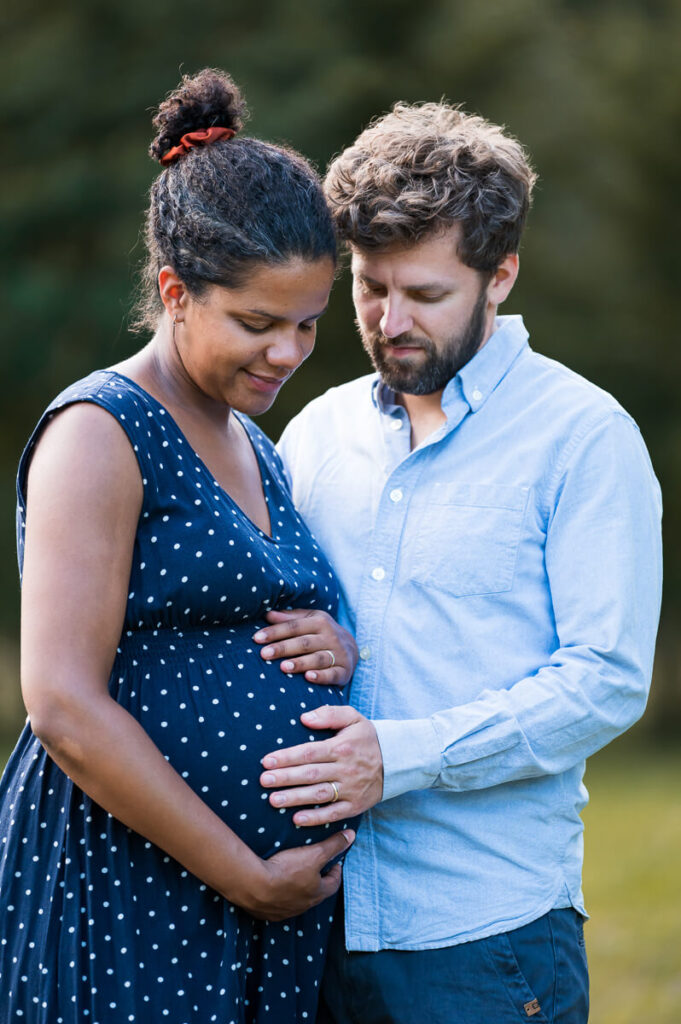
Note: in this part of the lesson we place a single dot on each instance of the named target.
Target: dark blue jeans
(537, 974)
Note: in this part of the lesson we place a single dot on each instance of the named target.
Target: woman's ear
(173, 293)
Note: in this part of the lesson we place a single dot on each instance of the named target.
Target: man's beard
(438, 368)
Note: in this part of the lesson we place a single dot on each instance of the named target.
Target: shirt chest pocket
(468, 537)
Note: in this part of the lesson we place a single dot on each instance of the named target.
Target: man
(495, 524)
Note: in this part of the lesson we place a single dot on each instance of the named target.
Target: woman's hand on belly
(312, 642)
(290, 882)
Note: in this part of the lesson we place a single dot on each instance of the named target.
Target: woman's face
(239, 345)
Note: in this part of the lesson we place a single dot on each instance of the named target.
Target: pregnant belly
(215, 708)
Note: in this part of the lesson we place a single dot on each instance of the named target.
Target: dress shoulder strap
(129, 404)
(270, 458)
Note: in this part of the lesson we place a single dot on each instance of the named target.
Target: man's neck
(425, 411)
(425, 415)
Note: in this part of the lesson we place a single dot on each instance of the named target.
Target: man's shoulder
(569, 393)
(324, 429)
(342, 400)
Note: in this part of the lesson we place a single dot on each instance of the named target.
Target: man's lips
(400, 351)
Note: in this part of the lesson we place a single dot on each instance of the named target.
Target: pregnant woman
(144, 875)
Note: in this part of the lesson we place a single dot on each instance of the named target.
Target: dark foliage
(592, 90)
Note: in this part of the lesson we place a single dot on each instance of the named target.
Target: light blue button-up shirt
(503, 580)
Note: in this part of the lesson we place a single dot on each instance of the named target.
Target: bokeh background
(593, 89)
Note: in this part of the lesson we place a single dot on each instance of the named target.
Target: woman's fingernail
(267, 652)
(349, 837)
(302, 819)
(287, 666)
(311, 716)
(269, 762)
(268, 779)
(311, 675)
(260, 635)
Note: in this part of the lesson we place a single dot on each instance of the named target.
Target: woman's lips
(267, 385)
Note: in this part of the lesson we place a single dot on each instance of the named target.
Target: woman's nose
(288, 351)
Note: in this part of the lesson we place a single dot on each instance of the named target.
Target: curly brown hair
(423, 167)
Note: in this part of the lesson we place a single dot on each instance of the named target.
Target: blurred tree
(593, 90)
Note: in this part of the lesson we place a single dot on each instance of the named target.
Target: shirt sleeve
(603, 561)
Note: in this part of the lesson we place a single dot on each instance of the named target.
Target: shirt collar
(484, 372)
(382, 396)
(480, 376)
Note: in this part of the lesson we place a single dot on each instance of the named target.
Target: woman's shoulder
(87, 410)
(123, 399)
(107, 388)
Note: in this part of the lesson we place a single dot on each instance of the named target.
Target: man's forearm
(543, 725)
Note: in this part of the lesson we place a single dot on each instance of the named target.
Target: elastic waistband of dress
(180, 642)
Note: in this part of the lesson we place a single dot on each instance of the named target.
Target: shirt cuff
(411, 755)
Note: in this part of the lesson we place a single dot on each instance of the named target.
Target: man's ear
(173, 293)
(503, 279)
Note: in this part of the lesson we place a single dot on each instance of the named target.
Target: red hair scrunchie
(203, 137)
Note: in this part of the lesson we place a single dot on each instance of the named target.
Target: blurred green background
(593, 89)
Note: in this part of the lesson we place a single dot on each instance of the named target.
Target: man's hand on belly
(343, 774)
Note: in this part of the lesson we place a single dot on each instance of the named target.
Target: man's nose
(396, 319)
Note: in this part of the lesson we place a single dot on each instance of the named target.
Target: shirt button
(477, 394)
(396, 495)
(378, 573)
(396, 424)
(365, 653)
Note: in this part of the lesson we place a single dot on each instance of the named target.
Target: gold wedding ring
(336, 792)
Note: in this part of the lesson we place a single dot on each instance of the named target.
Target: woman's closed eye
(255, 328)
(306, 325)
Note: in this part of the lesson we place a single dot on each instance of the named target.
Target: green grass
(632, 884)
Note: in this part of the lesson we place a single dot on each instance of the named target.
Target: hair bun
(209, 98)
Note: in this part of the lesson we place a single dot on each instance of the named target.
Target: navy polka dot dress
(96, 923)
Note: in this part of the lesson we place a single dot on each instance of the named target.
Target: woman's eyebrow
(281, 319)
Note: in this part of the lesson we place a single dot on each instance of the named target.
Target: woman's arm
(83, 505)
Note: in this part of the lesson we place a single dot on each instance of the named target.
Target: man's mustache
(377, 338)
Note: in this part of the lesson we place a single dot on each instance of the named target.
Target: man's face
(421, 312)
